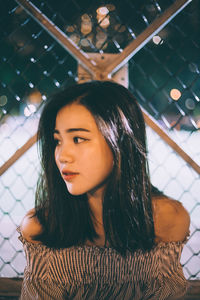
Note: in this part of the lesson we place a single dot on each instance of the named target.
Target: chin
(76, 192)
(73, 193)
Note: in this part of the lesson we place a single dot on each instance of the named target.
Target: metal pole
(164, 135)
(18, 154)
(145, 36)
(94, 68)
(59, 36)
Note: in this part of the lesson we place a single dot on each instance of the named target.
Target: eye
(78, 140)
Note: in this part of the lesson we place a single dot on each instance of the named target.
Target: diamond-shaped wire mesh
(33, 65)
(157, 69)
(109, 30)
(177, 180)
(171, 64)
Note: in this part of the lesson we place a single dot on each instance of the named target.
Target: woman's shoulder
(30, 226)
(171, 220)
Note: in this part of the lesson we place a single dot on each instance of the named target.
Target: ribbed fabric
(92, 272)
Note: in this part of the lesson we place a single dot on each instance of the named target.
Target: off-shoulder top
(93, 272)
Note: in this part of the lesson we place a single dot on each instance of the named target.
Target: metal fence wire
(163, 75)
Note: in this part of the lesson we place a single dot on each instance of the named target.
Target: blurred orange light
(103, 10)
(105, 23)
(175, 94)
(35, 97)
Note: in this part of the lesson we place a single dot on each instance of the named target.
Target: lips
(68, 172)
(69, 175)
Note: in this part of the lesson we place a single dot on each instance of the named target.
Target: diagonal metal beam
(95, 69)
(18, 154)
(164, 135)
(142, 39)
(148, 120)
(82, 57)
(122, 58)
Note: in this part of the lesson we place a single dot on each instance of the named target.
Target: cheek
(88, 159)
(100, 161)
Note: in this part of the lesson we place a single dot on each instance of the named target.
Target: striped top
(92, 272)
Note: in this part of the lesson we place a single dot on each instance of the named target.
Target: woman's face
(82, 155)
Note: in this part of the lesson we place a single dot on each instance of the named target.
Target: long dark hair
(127, 207)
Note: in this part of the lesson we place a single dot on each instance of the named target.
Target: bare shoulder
(171, 220)
(30, 226)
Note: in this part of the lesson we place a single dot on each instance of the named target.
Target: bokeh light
(175, 94)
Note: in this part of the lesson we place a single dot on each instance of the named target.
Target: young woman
(96, 232)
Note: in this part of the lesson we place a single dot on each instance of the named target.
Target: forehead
(75, 115)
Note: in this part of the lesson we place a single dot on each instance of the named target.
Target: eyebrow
(72, 130)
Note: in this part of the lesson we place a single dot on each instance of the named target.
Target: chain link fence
(171, 62)
(102, 26)
(33, 65)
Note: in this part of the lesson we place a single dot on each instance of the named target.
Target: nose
(64, 155)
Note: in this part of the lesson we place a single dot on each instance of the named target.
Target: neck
(95, 200)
